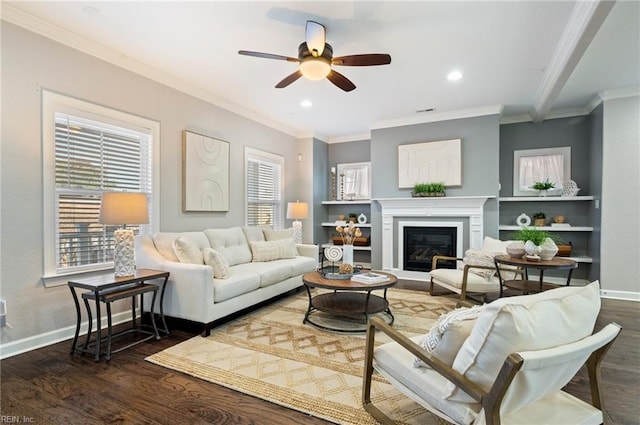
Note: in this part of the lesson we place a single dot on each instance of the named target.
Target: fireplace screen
(421, 244)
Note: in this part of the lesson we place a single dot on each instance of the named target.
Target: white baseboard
(620, 295)
(42, 340)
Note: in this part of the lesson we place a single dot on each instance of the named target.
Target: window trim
(52, 103)
(267, 156)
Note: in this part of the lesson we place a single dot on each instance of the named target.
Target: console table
(107, 288)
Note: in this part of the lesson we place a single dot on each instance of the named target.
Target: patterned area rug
(271, 355)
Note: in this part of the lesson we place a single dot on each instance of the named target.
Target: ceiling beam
(584, 22)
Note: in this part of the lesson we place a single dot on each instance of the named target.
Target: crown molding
(619, 93)
(63, 36)
(439, 116)
(350, 138)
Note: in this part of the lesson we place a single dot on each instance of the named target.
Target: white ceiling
(518, 57)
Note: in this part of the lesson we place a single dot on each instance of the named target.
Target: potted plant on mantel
(538, 244)
(428, 189)
(542, 187)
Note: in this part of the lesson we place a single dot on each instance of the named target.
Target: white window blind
(92, 157)
(264, 189)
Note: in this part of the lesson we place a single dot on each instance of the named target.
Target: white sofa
(194, 294)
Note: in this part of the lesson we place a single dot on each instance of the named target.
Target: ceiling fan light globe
(315, 68)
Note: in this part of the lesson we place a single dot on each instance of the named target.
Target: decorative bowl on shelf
(570, 188)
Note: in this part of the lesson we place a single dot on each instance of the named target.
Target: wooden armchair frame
(490, 400)
(465, 273)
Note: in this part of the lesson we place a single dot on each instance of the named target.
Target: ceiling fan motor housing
(315, 67)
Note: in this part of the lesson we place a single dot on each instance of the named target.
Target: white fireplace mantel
(471, 207)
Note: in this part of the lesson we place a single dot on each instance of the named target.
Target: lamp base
(123, 255)
(297, 231)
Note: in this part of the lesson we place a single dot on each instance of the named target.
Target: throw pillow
(216, 260)
(274, 235)
(495, 245)
(448, 334)
(523, 323)
(187, 251)
(474, 257)
(273, 250)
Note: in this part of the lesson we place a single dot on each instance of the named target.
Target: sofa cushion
(273, 235)
(475, 283)
(273, 250)
(302, 265)
(269, 273)
(254, 233)
(448, 334)
(490, 244)
(187, 251)
(216, 260)
(235, 285)
(164, 244)
(231, 243)
(523, 323)
(395, 363)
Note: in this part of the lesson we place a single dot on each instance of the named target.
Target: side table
(526, 285)
(104, 285)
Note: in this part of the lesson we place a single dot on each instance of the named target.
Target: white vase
(347, 254)
(516, 249)
(531, 248)
(548, 250)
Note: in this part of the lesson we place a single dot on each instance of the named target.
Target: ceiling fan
(315, 59)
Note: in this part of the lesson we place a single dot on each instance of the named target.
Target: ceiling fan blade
(267, 55)
(363, 60)
(289, 79)
(315, 36)
(340, 80)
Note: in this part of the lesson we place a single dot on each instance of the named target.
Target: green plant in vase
(428, 189)
(543, 186)
(537, 242)
(539, 219)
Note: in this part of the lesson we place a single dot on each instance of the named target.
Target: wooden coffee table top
(554, 263)
(315, 280)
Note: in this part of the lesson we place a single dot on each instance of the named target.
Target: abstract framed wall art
(430, 162)
(205, 173)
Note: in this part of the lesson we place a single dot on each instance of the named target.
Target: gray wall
(31, 62)
(321, 189)
(480, 165)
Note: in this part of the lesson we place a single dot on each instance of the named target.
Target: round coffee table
(531, 286)
(348, 299)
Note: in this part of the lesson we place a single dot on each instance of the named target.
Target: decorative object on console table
(297, 210)
(537, 243)
(122, 208)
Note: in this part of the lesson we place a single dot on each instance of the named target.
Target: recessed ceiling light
(454, 75)
(306, 104)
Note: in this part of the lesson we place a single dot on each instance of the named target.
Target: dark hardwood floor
(50, 386)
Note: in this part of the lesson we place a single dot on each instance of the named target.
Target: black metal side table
(107, 288)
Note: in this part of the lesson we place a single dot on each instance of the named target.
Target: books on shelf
(369, 277)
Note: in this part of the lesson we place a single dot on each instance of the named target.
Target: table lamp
(297, 210)
(122, 208)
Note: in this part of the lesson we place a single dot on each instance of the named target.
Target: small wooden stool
(108, 298)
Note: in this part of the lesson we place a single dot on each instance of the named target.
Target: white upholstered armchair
(510, 369)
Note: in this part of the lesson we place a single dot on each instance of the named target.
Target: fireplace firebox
(421, 244)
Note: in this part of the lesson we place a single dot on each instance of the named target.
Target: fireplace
(422, 243)
(465, 213)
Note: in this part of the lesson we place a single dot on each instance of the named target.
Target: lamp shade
(296, 210)
(123, 208)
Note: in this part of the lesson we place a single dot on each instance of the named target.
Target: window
(89, 150)
(264, 173)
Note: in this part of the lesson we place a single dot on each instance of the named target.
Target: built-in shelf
(355, 247)
(545, 198)
(580, 259)
(354, 202)
(550, 228)
(333, 224)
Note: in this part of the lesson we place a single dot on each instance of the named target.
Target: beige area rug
(271, 355)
